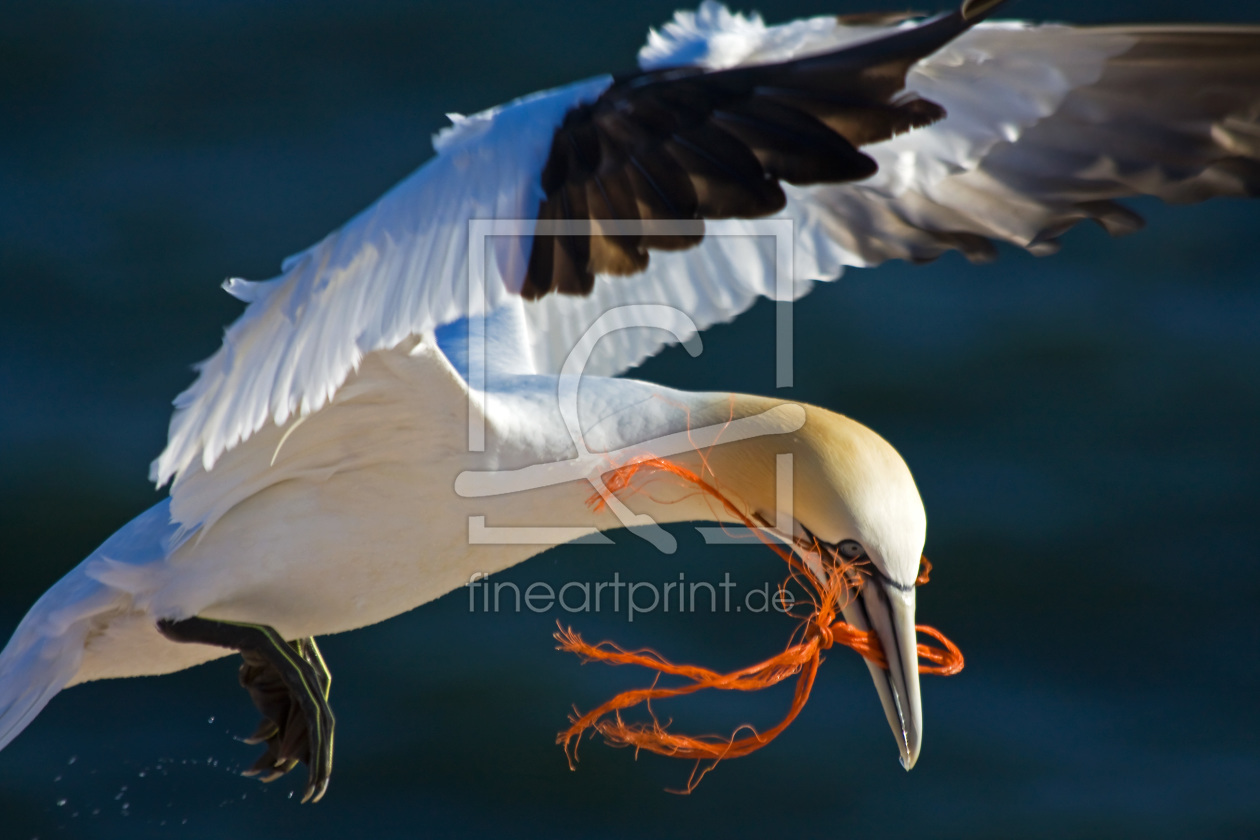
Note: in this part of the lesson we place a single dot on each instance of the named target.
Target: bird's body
(331, 540)
(392, 401)
(334, 537)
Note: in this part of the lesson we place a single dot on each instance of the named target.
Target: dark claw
(289, 683)
(285, 728)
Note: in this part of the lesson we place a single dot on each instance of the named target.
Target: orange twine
(821, 630)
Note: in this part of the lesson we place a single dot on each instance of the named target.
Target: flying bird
(430, 393)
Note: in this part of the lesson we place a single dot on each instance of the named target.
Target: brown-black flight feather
(683, 143)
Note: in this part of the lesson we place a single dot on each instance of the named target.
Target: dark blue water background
(1082, 429)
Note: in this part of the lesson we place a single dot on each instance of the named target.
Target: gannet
(444, 363)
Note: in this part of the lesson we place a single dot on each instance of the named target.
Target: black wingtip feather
(684, 143)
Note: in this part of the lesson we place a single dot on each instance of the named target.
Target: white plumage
(316, 459)
(358, 288)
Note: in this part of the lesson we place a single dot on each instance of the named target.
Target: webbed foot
(289, 684)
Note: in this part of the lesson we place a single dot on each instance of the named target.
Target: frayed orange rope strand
(821, 632)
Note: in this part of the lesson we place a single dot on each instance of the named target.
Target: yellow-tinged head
(848, 483)
(852, 491)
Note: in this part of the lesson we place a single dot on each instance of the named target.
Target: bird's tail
(47, 648)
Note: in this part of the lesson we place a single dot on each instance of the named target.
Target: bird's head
(854, 494)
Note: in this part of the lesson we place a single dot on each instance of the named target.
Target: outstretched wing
(402, 266)
(1045, 126)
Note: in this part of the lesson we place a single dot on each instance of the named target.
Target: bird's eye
(850, 549)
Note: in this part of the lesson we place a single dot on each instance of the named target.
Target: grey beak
(889, 611)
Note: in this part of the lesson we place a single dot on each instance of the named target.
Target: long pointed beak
(889, 611)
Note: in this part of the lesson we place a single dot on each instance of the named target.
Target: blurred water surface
(1082, 429)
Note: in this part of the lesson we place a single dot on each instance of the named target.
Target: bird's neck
(599, 467)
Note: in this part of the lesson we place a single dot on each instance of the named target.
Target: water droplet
(96, 812)
(290, 794)
(211, 719)
(141, 774)
(73, 759)
(126, 805)
(57, 778)
(61, 803)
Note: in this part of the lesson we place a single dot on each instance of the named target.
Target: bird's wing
(402, 267)
(771, 128)
(1046, 126)
(397, 269)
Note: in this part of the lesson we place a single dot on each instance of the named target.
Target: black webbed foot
(284, 728)
(289, 684)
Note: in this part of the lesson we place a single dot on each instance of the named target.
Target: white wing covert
(398, 268)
